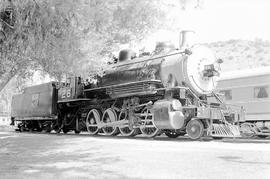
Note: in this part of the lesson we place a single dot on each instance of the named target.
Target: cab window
(261, 92)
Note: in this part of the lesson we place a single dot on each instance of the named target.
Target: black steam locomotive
(167, 92)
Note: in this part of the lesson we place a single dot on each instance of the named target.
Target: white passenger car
(249, 88)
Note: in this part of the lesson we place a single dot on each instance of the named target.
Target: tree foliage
(67, 36)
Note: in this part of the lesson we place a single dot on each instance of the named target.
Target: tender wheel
(77, 132)
(21, 127)
(57, 129)
(48, 128)
(110, 116)
(125, 130)
(58, 125)
(65, 131)
(195, 129)
(29, 126)
(148, 127)
(173, 134)
(38, 129)
(92, 120)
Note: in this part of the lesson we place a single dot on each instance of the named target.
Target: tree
(66, 36)
(72, 37)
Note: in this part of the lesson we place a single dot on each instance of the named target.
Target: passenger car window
(261, 92)
(227, 94)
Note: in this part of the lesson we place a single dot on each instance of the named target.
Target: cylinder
(166, 116)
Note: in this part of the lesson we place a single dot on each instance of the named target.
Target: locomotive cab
(71, 89)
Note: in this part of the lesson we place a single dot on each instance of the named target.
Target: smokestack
(186, 39)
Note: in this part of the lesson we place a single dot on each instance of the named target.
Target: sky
(221, 20)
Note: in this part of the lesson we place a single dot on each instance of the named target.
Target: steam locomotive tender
(170, 92)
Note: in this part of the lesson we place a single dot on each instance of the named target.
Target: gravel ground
(33, 155)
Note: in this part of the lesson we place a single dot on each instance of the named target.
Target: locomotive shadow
(237, 159)
(162, 138)
(35, 155)
(139, 137)
(245, 140)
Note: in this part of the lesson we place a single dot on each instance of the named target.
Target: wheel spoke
(92, 119)
(148, 127)
(125, 129)
(110, 116)
(195, 129)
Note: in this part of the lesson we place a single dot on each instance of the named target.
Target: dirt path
(25, 155)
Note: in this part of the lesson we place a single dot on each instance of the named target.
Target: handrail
(162, 56)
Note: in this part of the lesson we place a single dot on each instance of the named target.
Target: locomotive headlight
(176, 105)
(210, 71)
